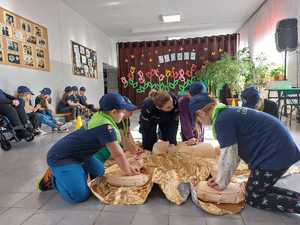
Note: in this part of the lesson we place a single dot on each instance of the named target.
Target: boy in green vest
(72, 158)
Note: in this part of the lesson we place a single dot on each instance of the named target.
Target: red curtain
(168, 65)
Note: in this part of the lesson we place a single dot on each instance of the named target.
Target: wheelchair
(8, 134)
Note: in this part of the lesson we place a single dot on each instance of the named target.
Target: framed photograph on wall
(23, 43)
(84, 61)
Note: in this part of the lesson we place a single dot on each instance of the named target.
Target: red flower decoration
(140, 74)
(123, 80)
(161, 77)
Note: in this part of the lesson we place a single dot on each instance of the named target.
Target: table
(289, 96)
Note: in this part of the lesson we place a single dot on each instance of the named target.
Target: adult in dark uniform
(160, 109)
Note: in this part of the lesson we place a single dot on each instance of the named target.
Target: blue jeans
(70, 181)
(48, 120)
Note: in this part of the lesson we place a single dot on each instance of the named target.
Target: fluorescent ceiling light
(113, 3)
(171, 18)
(174, 38)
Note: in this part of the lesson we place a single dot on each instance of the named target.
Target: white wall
(64, 25)
(259, 32)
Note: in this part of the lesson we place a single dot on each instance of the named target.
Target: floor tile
(150, 219)
(250, 214)
(35, 200)
(186, 220)
(15, 216)
(186, 209)
(219, 220)
(45, 218)
(79, 218)
(58, 203)
(114, 218)
(9, 199)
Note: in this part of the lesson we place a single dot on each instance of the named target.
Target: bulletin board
(23, 43)
(84, 61)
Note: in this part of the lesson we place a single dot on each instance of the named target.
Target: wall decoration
(9, 19)
(27, 49)
(12, 45)
(6, 30)
(14, 59)
(22, 42)
(40, 53)
(167, 65)
(84, 61)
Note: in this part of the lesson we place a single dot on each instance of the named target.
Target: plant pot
(232, 101)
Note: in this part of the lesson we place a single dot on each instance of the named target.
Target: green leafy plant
(224, 71)
(277, 72)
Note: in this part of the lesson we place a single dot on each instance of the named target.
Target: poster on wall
(84, 61)
(22, 42)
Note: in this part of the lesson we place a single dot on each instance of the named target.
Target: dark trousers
(262, 194)
(167, 132)
(16, 115)
(34, 119)
(74, 110)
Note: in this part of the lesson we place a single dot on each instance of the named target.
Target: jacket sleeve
(5, 98)
(228, 162)
(185, 119)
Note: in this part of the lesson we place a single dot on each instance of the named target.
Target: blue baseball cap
(74, 88)
(198, 102)
(23, 90)
(82, 89)
(46, 91)
(197, 87)
(68, 89)
(112, 101)
(250, 97)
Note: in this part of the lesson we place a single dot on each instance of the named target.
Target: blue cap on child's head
(74, 88)
(68, 89)
(112, 101)
(250, 97)
(23, 90)
(197, 87)
(46, 91)
(82, 89)
(198, 102)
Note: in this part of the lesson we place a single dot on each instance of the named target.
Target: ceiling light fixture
(174, 38)
(113, 3)
(171, 18)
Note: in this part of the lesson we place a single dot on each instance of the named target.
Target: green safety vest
(99, 119)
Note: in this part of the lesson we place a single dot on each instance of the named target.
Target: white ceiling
(133, 20)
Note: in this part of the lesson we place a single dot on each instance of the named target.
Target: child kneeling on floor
(71, 159)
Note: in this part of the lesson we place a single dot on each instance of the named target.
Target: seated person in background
(188, 130)
(67, 104)
(251, 99)
(25, 94)
(44, 100)
(83, 100)
(224, 94)
(76, 98)
(13, 109)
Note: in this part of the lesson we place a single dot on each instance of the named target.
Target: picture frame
(84, 61)
(23, 43)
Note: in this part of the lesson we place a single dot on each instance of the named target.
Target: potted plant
(277, 73)
(224, 71)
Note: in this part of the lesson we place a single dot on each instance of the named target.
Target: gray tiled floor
(21, 203)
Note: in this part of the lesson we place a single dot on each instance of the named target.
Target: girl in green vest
(72, 158)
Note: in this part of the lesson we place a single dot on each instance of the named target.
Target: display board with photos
(23, 43)
(84, 61)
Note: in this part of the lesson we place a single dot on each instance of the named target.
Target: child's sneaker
(45, 184)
